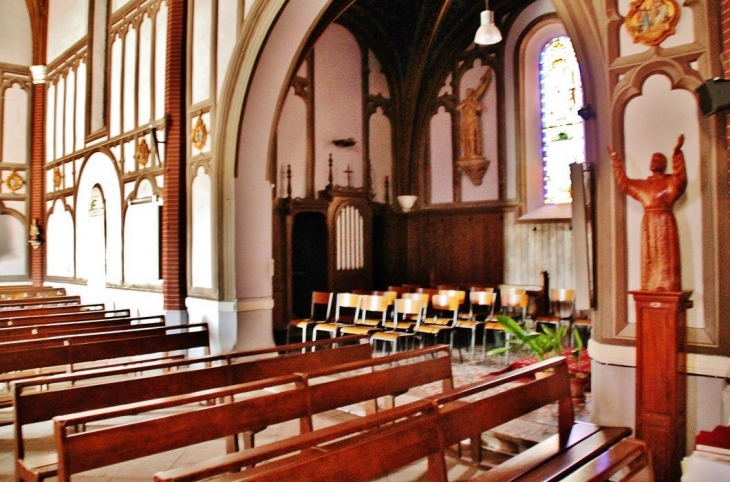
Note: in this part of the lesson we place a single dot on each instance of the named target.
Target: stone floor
(506, 439)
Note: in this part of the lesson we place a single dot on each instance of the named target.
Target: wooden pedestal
(661, 378)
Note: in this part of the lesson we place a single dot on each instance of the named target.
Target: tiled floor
(509, 437)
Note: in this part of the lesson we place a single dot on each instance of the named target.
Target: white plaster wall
(144, 76)
(614, 395)
(202, 249)
(378, 83)
(253, 193)
(14, 134)
(58, 120)
(228, 11)
(60, 242)
(489, 189)
(15, 33)
(13, 247)
(338, 105)
(222, 334)
(142, 240)
(129, 81)
(68, 120)
(201, 50)
(67, 24)
(442, 158)
(99, 169)
(115, 88)
(381, 154)
(80, 135)
(652, 123)
(160, 59)
(291, 145)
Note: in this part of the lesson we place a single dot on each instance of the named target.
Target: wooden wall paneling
(460, 247)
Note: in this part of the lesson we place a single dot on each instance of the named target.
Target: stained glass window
(563, 136)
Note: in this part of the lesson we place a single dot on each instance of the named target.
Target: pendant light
(488, 33)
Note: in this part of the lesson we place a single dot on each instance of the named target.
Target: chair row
(402, 321)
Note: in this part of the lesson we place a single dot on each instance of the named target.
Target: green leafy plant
(541, 344)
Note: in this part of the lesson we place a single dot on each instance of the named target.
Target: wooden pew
(17, 333)
(31, 292)
(630, 455)
(64, 317)
(80, 452)
(48, 310)
(574, 445)
(355, 451)
(127, 329)
(170, 338)
(107, 390)
(27, 302)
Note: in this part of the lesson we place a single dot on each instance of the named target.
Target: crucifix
(349, 173)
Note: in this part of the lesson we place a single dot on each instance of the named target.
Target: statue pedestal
(661, 378)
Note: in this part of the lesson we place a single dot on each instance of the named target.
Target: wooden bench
(47, 301)
(103, 391)
(64, 317)
(18, 333)
(155, 340)
(354, 451)
(124, 328)
(80, 452)
(48, 310)
(14, 293)
(629, 458)
(574, 445)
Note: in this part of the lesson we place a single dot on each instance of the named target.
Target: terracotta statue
(472, 160)
(660, 261)
(471, 110)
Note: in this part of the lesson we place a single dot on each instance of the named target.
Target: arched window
(563, 135)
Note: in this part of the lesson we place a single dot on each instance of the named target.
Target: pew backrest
(33, 405)
(28, 302)
(17, 333)
(66, 317)
(152, 340)
(47, 310)
(239, 416)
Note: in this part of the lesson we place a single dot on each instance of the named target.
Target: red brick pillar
(37, 184)
(174, 236)
(726, 60)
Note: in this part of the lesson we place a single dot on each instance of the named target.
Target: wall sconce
(34, 234)
(487, 33)
(349, 142)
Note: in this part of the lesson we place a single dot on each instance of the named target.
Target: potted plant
(544, 344)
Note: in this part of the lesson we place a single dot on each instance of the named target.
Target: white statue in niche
(472, 160)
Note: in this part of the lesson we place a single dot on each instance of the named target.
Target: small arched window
(563, 135)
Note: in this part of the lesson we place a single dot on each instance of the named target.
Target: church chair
(481, 306)
(514, 304)
(442, 321)
(398, 290)
(373, 310)
(460, 294)
(345, 306)
(320, 300)
(410, 321)
(407, 312)
(562, 302)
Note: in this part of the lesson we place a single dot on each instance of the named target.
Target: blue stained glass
(563, 135)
